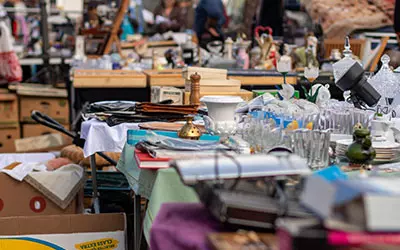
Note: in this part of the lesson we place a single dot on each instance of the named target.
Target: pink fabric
(182, 226)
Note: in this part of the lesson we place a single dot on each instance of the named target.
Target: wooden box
(7, 139)
(264, 80)
(56, 108)
(97, 78)
(205, 73)
(8, 109)
(169, 77)
(245, 94)
(32, 130)
(216, 85)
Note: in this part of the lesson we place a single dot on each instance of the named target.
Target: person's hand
(213, 32)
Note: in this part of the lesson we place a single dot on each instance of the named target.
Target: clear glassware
(386, 82)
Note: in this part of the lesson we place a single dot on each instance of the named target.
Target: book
(309, 233)
(145, 161)
(366, 203)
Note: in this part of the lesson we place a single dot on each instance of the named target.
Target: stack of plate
(385, 151)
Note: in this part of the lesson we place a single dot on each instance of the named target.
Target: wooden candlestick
(195, 89)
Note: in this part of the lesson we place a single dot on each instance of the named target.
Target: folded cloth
(182, 226)
(61, 185)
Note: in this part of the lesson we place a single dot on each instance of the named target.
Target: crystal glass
(386, 82)
(312, 145)
(311, 73)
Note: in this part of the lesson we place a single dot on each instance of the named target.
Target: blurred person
(91, 18)
(397, 20)
(187, 12)
(172, 19)
(209, 19)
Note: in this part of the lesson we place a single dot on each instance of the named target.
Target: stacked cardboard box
(9, 126)
(49, 101)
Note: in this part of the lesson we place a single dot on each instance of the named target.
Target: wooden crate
(357, 46)
(56, 108)
(8, 109)
(244, 94)
(7, 139)
(168, 77)
(109, 79)
(32, 130)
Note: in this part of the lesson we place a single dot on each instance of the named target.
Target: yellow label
(26, 243)
(102, 244)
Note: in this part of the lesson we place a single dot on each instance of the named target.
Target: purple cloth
(181, 226)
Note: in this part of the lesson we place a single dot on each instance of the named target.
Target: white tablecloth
(7, 159)
(102, 138)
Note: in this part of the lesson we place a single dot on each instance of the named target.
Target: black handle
(50, 122)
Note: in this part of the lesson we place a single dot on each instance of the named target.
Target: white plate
(375, 144)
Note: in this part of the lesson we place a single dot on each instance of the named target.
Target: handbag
(10, 68)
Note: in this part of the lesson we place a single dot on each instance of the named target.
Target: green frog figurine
(361, 150)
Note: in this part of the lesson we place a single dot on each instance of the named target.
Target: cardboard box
(43, 143)
(7, 139)
(56, 108)
(109, 79)
(8, 108)
(244, 94)
(80, 232)
(159, 94)
(32, 130)
(21, 199)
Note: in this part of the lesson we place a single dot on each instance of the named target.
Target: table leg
(137, 221)
(96, 204)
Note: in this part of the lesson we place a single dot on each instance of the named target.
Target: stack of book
(358, 212)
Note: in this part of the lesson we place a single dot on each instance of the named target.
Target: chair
(357, 46)
(104, 37)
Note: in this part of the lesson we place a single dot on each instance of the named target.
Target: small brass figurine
(361, 150)
(195, 89)
(189, 130)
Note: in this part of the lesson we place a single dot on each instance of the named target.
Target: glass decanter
(386, 82)
(343, 65)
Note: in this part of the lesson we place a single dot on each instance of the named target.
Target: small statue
(361, 150)
(269, 53)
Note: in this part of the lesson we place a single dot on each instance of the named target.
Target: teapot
(221, 114)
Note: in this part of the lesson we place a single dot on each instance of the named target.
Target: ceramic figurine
(189, 130)
(312, 95)
(269, 54)
(361, 150)
(323, 96)
(242, 58)
(229, 48)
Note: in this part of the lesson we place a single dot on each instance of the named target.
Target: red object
(1, 205)
(262, 29)
(145, 161)
(337, 238)
(37, 204)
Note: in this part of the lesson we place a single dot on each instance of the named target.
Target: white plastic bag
(10, 69)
